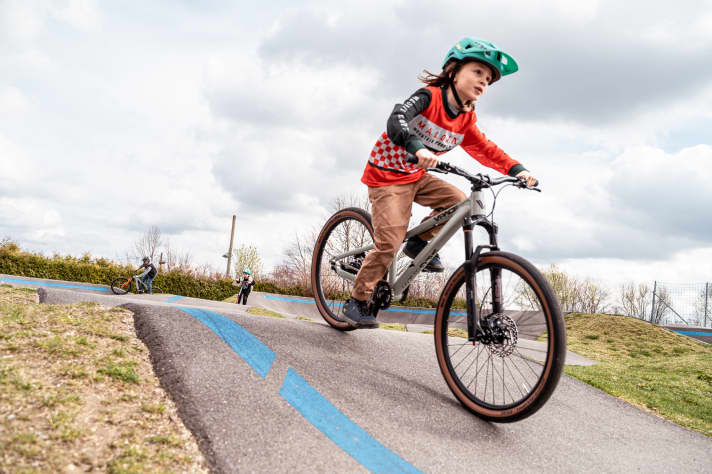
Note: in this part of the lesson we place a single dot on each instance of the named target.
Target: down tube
(437, 242)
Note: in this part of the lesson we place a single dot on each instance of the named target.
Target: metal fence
(682, 304)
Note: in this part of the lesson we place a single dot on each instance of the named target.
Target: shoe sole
(431, 270)
(426, 269)
(358, 325)
(370, 326)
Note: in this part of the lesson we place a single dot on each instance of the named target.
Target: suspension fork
(474, 326)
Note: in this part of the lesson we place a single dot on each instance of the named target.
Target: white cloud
(177, 115)
(31, 220)
(81, 14)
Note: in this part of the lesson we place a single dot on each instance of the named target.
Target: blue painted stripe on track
(395, 310)
(694, 333)
(347, 435)
(63, 285)
(174, 298)
(252, 350)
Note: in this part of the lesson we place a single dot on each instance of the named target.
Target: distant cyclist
(246, 282)
(434, 120)
(147, 276)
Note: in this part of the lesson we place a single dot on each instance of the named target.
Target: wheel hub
(501, 335)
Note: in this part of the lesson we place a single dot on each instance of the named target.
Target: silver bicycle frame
(453, 218)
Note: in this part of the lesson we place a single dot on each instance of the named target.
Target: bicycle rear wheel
(512, 375)
(121, 285)
(348, 229)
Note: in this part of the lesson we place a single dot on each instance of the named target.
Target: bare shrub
(576, 295)
(149, 243)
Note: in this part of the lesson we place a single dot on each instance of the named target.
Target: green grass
(78, 389)
(393, 326)
(123, 372)
(452, 332)
(264, 312)
(650, 367)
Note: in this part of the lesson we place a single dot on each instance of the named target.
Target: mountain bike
(500, 339)
(123, 285)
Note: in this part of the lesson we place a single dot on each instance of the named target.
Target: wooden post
(229, 252)
(707, 292)
(652, 308)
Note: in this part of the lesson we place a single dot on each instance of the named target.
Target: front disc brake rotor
(504, 335)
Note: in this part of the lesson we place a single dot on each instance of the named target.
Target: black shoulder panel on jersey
(397, 126)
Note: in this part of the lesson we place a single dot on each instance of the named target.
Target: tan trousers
(391, 208)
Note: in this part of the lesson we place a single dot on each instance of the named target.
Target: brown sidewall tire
(349, 213)
(556, 344)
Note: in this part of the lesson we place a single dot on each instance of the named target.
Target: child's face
(471, 80)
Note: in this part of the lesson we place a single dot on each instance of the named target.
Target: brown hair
(443, 80)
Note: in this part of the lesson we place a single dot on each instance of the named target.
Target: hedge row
(101, 271)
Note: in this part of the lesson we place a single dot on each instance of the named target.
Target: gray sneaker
(357, 314)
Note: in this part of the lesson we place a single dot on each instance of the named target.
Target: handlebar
(479, 181)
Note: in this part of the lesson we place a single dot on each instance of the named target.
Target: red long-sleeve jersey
(425, 120)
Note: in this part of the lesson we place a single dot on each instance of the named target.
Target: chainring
(382, 295)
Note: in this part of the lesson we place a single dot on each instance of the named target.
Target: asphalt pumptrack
(265, 394)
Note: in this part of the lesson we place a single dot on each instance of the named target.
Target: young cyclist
(245, 284)
(149, 273)
(432, 121)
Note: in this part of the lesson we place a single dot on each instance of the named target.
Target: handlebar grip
(412, 159)
(523, 183)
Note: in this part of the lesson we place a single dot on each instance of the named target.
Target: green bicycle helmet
(247, 270)
(484, 52)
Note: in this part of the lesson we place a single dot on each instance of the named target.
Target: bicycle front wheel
(347, 230)
(510, 375)
(121, 285)
(156, 289)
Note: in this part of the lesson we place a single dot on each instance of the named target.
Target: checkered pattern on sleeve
(389, 156)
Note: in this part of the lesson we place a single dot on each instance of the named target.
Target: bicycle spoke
(474, 360)
(346, 231)
(504, 367)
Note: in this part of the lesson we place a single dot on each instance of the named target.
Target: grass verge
(78, 393)
(657, 370)
(256, 310)
(393, 326)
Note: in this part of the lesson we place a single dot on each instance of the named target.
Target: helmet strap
(454, 91)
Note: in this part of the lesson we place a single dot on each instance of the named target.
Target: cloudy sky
(116, 116)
